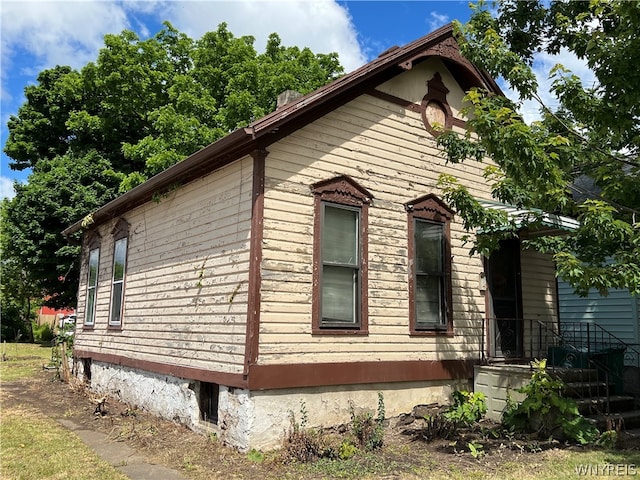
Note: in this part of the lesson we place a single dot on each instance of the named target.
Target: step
(623, 421)
(617, 403)
(574, 374)
(585, 389)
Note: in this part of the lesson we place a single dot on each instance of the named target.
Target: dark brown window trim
(341, 190)
(430, 208)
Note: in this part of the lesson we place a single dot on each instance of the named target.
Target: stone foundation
(257, 419)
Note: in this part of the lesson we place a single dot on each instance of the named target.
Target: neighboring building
(52, 316)
(308, 257)
(618, 313)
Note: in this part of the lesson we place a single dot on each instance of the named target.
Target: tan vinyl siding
(539, 298)
(387, 150)
(187, 276)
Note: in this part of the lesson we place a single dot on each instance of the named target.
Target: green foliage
(437, 427)
(347, 450)
(545, 411)
(476, 449)
(42, 333)
(581, 157)
(140, 107)
(467, 408)
(255, 456)
(367, 429)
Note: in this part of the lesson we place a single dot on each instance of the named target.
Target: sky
(36, 35)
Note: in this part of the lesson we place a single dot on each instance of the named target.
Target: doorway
(505, 323)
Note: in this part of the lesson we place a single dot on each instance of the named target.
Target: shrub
(467, 409)
(545, 411)
(42, 333)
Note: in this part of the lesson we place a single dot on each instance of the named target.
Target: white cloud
(71, 32)
(6, 188)
(322, 25)
(437, 20)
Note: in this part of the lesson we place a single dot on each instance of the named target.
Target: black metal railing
(599, 355)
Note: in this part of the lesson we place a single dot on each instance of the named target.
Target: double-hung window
(430, 295)
(92, 281)
(340, 257)
(120, 236)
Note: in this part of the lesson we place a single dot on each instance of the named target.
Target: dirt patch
(406, 454)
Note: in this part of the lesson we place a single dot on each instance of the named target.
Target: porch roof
(522, 216)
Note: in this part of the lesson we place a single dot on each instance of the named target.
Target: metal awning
(523, 216)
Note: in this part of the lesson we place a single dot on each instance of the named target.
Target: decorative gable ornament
(436, 113)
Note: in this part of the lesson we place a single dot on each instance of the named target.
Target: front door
(505, 300)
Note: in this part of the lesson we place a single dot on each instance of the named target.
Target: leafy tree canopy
(581, 158)
(139, 108)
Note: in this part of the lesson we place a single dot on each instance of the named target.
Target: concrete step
(594, 405)
(574, 374)
(622, 421)
(594, 388)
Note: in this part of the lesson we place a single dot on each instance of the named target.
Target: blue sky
(36, 35)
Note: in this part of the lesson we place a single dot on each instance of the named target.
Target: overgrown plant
(467, 408)
(368, 431)
(544, 410)
(437, 427)
(303, 444)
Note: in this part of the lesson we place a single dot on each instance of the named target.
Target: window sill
(116, 328)
(432, 333)
(338, 331)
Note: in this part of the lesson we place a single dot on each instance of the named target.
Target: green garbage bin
(610, 362)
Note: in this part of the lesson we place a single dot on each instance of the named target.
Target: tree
(142, 106)
(60, 191)
(581, 158)
(17, 292)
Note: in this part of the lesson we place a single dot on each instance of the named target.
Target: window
(92, 281)
(340, 257)
(429, 266)
(120, 235)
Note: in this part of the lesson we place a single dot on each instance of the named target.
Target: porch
(601, 371)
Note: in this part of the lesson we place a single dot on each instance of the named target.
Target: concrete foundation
(256, 419)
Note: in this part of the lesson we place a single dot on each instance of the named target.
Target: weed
(255, 456)
(467, 409)
(300, 443)
(437, 427)
(368, 431)
(545, 411)
(608, 439)
(347, 450)
(476, 449)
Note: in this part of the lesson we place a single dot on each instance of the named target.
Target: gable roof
(295, 115)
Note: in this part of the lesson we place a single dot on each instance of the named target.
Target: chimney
(287, 97)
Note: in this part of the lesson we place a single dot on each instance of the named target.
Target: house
(306, 259)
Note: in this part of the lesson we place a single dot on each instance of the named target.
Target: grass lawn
(23, 360)
(34, 446)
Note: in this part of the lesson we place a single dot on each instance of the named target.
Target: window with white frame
(92, 281)
(120, 235)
